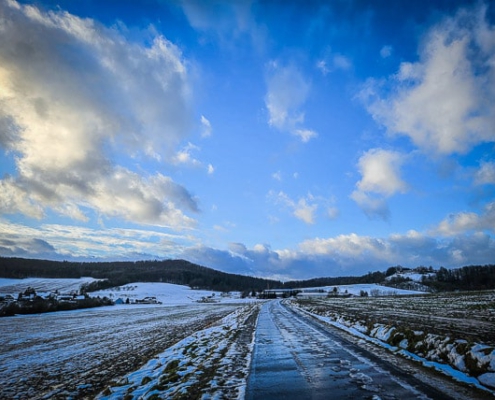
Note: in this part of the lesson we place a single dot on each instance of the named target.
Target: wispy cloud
(73, 93)
(386, 51)
(304, 208)
(206, 127)
(74, 242)
(287, 92)
(333, 62)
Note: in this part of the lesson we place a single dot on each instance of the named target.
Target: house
(119, 301)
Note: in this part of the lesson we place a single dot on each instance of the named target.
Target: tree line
(474, 277)
(182, 272)
(119, 273)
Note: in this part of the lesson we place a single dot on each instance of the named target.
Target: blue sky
(280, 140)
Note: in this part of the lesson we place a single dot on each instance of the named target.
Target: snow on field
(211, 363)
(370, 288)
(166, 293)
(75, 354)
(15, 286)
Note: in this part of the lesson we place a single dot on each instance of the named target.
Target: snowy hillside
(372, 289)
(165, 293)
(42, 285)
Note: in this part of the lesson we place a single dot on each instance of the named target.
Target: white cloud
(380, 179)
(486, 174)
(351, 245)
(73, 242)
(341, 62)
(206, 127)
(386, 51)
(211, 169)
(323, 67)
(349, 254)
(277, 176)
(228, 21)
(184, 156)
(304, 211)
(379, 170)
(305, 134)
(74, 93)
(333, 62)
(333, 212)
(463, 222)
(444, 101)
(287, 92)
(304, 208)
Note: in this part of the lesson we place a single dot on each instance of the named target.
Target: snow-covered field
(211, 363)
(167, 293)
(371, 289)
(185, 346)
(42, 285)
(68, 354)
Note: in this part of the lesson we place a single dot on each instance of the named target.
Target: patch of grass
(145, 380)
(172, 365)
(473, 367)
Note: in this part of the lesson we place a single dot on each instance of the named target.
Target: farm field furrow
(424, 328)
(469, 316)
(75, 354)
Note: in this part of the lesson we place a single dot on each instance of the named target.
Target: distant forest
(113, 274)
(181, 272)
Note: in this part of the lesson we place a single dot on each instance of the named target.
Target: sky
(287, 140)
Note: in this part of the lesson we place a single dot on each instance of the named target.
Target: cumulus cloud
(380, 178)
(287, 92)
(464, 222)
(72, 94)
(349, 254)
(444, 101)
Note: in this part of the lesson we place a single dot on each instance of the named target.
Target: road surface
(295, 357)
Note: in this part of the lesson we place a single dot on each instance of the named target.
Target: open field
(452, 332)
(467, 315)
(77, 353)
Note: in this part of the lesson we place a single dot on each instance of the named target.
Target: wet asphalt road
(294, 357)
